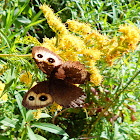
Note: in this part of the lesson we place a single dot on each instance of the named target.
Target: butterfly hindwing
(67, 94)
(37, 97)
(73, 72)
(46, 92)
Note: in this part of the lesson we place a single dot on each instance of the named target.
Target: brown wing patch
(73, 72)
(66, 94)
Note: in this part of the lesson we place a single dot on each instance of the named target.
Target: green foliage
(112, 109)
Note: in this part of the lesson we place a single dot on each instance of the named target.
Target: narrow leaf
(5, 38)
(31, 133)
(8, 122)
(51, 128)
(29, 115)
(7, 86)
(19, 101)
(40, 137)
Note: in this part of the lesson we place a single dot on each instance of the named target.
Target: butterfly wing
(38, 96)
(46, 59)
(67, 94)
(73, 72)
(46, 92)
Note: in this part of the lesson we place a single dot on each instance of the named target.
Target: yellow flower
(55, 107)
(50, 44)
(92, 53)
(26, 78)
(95, 77)
(4, 68)
(54, 22)
(71, 42)
(37, 114)
(5, 96)
(96, 39)
(126, 42)
(77, 27)
(131, 36)
(2, 86)
(28, 40)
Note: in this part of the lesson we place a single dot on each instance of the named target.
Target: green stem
(13, 55)
(102, 113)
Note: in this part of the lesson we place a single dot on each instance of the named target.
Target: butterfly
(60, 84)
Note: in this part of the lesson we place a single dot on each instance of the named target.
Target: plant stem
(14, 55)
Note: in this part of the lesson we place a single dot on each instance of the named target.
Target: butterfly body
(60, 85)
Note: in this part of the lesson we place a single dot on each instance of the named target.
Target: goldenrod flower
(55, 107)
(130, 37)
(50, 44)
(37, 114)
(54, 22)
(4, 68)
(92, 53)
(126, 42)
(95, 77)
(28, 40)
(5, 96)
(71, 42)
(26, 78)
(77, 27)
(96, 40)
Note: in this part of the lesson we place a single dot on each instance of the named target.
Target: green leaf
(20, 10)
(29, 115)
(40, 137)
(51, 128)
(8, 122)
(44, 115)
(21, 108)
(7, 86)
(4, 138)
(24, 20)
(5, 38)
(31, 133)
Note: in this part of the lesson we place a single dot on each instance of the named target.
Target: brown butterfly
(59, 86)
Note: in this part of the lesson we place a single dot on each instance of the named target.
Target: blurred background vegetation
(20, 18)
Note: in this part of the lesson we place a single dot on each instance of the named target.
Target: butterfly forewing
(46, 59)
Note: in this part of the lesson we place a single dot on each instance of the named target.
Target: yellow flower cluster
(5, 96)
(50, 44)
(127, 42)
(54, 22)
(26, 78)
(68, 45)
(37, 114)
(89, 46)
(80, 28)
(4, 68)
(55, 107)
(28, 40)
(130, 37)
